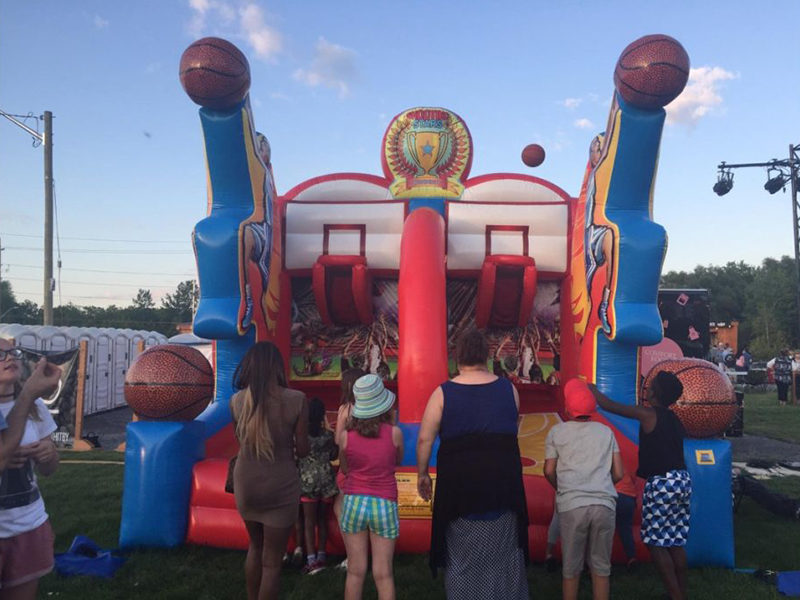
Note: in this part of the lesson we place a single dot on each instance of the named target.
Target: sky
(327, 78)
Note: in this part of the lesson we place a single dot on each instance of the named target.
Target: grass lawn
(84, 498)
(764, 416)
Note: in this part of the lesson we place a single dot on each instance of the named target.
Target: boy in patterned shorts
(668, 490)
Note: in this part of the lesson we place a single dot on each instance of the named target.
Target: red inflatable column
(422, 312)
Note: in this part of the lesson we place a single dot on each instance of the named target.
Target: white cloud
(221, 18)
(583, 123)
(265, 40)
(700, 97)
(279, 96)
(100, 22)
(333, 66)
(572, 103)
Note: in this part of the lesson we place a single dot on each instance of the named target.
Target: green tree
(7, 299)
(143, 299)
(26, 313)
(772, 306)
(72, 315)
(762, 299)
(182, 303)
(728, 287)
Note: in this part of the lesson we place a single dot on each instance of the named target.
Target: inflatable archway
(384, 271)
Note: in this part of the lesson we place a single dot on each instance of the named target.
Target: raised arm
(644, 414)
(42, 381)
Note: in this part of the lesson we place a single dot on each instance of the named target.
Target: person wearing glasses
(26, 538)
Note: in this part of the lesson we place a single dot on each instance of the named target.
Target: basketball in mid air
(533, 155)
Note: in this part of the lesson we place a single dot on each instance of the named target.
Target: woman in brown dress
(271, 424)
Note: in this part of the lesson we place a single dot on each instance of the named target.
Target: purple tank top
(371, 463)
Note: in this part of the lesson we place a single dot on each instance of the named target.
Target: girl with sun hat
(369, 452)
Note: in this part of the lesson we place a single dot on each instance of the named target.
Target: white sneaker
(342, 565)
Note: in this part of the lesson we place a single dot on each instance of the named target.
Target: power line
(96, 283)
(100, 251)
(38, 294)
(87, 239)
(103, 271)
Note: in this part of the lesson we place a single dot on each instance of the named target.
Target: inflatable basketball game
(384, 271)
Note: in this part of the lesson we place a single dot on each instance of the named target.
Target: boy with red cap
(582, 462)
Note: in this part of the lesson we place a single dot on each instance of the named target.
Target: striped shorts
(665, 509)
(379, 515)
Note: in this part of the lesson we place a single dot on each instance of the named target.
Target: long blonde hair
(260, 375)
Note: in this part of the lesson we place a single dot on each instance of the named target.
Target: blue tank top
(481, 408)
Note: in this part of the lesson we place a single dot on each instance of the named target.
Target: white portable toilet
(25, 336)
(190, 339)
(103, 371)
(109, 353)
(54, 339)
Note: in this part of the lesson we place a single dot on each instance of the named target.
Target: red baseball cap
(578, 399)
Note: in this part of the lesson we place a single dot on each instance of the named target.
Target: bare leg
(666, 570)
(357, 545)
(569, 587)
(678, 554)
(252, 564)
(26, 591)
(300, 541)
(275, 540)
(601, 587)
(382, 571)
(553, 533)
(310, 514)
(338, 502)
(322, 527)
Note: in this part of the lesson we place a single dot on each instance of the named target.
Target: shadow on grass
(85, 499)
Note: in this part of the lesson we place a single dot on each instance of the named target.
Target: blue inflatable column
(711, 529)
(158, 478)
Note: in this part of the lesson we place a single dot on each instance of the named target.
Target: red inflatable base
(214, 520)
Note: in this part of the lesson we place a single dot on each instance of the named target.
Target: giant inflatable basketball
(708, 403)
(169, 383)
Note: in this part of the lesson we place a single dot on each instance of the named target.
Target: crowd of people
(784, 368)
(479, 534)
(283, 479)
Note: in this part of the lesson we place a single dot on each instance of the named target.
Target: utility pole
(779, 173)
(794, 166)
(48, 218)
(47, 140)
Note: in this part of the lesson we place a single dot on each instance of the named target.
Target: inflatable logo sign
(426, 153)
